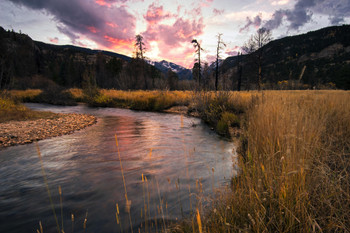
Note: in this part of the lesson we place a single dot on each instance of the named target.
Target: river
(180, 159)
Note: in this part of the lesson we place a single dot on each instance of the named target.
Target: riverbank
(294, 168)
(22, 132)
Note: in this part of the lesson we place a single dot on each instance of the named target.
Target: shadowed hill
(324, 53)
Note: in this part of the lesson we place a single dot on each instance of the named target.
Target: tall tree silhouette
(219, 47)
(140, 51)
(198, 48)
(255, 45)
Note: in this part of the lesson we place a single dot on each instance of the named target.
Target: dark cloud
(336, 10)
(276, 20)
(336, 20)
(302, 13)
(255, 22)
(93, 19)
(63, 29)
(297, 17)
(304, 9)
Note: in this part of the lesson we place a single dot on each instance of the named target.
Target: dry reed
(295, 166)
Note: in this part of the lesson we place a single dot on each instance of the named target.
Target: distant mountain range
(164, 66)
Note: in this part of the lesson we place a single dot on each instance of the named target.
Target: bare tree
(255, 45)
(140, 51)
(219, 47)
(198, 48)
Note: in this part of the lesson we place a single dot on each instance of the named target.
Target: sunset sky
(167, 26)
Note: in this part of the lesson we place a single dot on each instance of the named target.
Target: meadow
(294, 156)
(295, 167)
(12, 110)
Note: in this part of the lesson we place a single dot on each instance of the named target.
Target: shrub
(227, 120)
(56, 96)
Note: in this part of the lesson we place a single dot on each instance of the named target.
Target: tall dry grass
(295, 166)
(11, 110)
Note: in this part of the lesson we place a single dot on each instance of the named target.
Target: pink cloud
(210, 58)
(103, 3)
(155, 14)
(92, 29)
(113, 25)
(183, 55)
(173, 40)
(54, 40)
(233, 51)
(172, 35)
(206, 3)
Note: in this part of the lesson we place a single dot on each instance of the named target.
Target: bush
(101, 100)
(12, 111)
(227, 120)
(56, 96)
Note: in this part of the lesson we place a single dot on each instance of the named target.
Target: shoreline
(14, 133)
(23, 132)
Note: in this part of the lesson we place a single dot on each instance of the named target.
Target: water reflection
(178, 161)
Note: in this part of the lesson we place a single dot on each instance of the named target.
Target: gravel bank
(22, 132)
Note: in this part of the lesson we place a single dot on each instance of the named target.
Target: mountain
(164, 66)
(25, 63)
(53, 47)
(314, 59)
(212, 66)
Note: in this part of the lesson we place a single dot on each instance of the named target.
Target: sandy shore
(22, 132)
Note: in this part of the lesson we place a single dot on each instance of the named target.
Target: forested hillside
(315, 59)
(25, 63)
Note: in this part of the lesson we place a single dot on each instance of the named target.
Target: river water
(181, 160)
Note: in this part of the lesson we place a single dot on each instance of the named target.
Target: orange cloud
(119, 43)
(103, 3)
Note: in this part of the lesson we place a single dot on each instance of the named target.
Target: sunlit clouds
(167, 26)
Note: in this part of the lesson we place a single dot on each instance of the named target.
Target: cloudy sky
(167, 26)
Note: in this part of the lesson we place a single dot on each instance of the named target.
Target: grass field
(13, 111)
(294, 157)
(294, 167)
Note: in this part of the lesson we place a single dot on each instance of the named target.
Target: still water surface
(179, 156)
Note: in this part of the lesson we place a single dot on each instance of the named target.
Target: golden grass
(295, 166)
(76, 93)
(149, 100)
(12, 111)
(25, 95)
